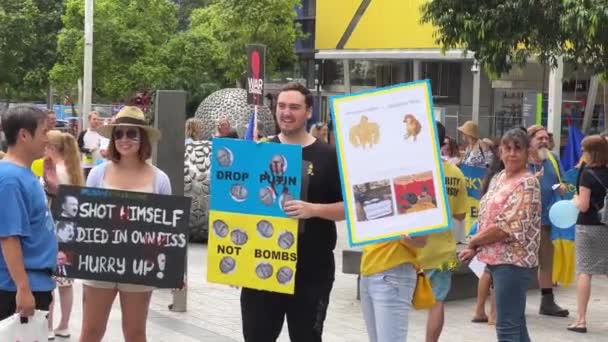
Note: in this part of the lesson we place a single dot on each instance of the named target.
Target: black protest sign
(121, 236)
(256, 59)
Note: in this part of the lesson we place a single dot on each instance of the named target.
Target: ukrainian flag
(564, 256)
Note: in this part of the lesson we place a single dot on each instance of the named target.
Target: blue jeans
(510, 286)
(386, 298)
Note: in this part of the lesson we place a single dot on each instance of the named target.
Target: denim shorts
(441, 281)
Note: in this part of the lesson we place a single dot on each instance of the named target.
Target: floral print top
(515, 208)
(477, 157)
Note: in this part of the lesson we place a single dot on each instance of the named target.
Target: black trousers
(263, 313)
(8, 303)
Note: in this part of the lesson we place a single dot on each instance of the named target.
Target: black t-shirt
(317, 237)
(598, 192)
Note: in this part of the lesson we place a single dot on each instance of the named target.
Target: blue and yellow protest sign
(474, 179)
(391, 171)
(252, 243)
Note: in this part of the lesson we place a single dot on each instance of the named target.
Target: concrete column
(417, 70)
(476, 93)
(554, 122)
(591, 97)
(346, 68)
(170, 118)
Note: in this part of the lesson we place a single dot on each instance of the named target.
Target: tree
(232, 24)
(28, 39)
(185, 11)
(130, 37)
(504, 33)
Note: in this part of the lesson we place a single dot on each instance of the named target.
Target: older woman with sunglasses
(509, 235)
(127, 169)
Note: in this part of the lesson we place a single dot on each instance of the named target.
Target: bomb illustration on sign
(265, 229)
(264, 270)
(284, 275)
(286, 240)
(220, 228)
(286, 197)
(224, 157)
(267, 196)
(227, 265)
(239, 237)
(238, 192)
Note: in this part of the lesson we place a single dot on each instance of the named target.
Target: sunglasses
(130, 133)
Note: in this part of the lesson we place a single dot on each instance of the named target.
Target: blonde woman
(62, 150)
(127, 169)
(477, 153)
(194, 130)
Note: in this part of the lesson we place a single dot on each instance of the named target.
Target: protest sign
(121, 236)
(474, 179)
(391, 170)
(252, 243)
(256, 62)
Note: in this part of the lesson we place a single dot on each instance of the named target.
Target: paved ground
(214, 316)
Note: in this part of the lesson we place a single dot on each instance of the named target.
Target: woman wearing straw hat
(477, 153)
(127, 169)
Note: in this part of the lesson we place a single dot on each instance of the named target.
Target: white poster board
(390, 165)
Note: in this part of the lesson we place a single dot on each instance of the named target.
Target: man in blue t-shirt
(545, 165)
(27, 236)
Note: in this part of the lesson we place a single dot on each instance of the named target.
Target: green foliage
(503, 33)
(28, 31)
(232, 24)
(129, 39)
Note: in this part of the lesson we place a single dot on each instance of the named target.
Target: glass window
(445, 80)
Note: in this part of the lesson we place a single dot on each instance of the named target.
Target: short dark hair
(26, 117)
(440, 133)
(145, 147)
(299, 87)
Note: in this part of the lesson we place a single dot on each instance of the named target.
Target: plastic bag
(30, 329)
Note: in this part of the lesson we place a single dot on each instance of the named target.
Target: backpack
(602, 212)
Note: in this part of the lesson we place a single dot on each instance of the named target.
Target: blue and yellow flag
(564, 260)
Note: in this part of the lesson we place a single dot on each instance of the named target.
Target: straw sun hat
(130, 116)
(469, 128)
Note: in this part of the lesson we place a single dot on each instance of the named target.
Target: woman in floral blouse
(509, 235)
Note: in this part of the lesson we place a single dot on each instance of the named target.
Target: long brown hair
(68, 148)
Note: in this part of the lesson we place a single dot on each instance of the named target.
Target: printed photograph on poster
(374, 200)
(390, 132)
(415, 193)
(252, 251)
(121, 236)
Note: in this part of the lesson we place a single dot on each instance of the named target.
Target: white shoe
(65, 333)
(51, 336)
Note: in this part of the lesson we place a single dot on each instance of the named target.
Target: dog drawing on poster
(412, 127)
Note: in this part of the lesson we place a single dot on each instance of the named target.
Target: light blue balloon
(563, 214)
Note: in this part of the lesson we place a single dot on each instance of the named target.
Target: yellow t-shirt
(383, 256)
(441, 247)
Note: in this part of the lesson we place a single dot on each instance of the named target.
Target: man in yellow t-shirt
(440, 249)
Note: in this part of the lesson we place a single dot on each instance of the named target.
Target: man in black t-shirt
(263, 312)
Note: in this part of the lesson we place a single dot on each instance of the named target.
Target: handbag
(25, 329)
(423, 294)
